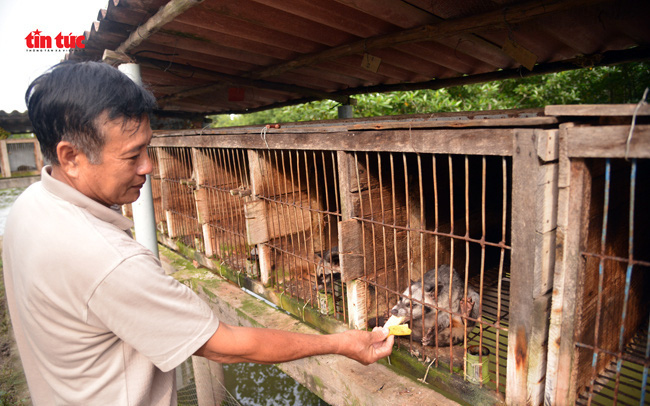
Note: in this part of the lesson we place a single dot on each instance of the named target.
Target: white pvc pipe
(144, 218)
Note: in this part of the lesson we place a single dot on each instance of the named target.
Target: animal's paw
(466, 306)
(429, 338)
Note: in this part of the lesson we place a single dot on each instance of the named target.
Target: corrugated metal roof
(15, 122)
(224, 56)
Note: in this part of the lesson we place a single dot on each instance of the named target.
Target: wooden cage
(416, 212)
(375, 203)
(177, 186)
(19, 157)
(599, 348)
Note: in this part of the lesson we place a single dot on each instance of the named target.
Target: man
(96, 320)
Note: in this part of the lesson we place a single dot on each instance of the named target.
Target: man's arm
(231, 344)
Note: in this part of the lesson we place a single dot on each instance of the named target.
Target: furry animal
(328, 268)
(448, 324)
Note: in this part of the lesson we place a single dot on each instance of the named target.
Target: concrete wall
(336, 379)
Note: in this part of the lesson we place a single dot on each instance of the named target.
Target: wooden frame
(547, 168)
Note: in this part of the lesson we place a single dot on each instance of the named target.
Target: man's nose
(145, 166)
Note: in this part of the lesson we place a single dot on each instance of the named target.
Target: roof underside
(225, 56)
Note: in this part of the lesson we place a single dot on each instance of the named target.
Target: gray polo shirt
(96, 319)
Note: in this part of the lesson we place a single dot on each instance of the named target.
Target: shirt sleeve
(160, 317)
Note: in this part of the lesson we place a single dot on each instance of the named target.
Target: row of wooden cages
(19, 157)
(541, 220)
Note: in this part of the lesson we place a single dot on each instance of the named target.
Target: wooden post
(209, 380)
(263, 250)
(534, 185)
(165, 164)
(200, 163)
(38, 157)
(351, 243)
(4, 157)
(574, 183)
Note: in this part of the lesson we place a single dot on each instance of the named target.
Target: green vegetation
(607, 84)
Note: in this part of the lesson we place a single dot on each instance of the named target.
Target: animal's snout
(399, 311)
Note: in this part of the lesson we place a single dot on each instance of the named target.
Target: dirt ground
(13, 387)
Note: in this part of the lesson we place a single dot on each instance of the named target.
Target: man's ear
(69, 157)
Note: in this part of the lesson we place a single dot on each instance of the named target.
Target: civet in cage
(450, 301)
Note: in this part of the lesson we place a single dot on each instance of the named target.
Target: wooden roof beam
(220, 80)
(607, 58)
(500, 18)
(167, 13)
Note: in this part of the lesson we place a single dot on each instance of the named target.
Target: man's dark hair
(65, 104)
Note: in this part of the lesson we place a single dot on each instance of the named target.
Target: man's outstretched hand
(366, 347)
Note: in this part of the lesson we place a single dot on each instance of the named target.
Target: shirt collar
(66, 192)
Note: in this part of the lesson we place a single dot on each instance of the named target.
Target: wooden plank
(4, 157)
(596, 110)
(166, 14)
(547, 145)
(490, 122)
(256, 182)
(522, 272)
(297, 220)
(539, 349)
(546, 198)
(478, 141)
(357, 291)
(350, 250)
(608, 141)
(544, 262)
(256, 222)
(573, 184)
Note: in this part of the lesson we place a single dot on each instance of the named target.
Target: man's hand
(267, 346)
(367, 347)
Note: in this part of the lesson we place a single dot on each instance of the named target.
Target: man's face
(124, 163)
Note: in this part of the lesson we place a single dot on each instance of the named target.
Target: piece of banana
(394, 321)
(400, 330)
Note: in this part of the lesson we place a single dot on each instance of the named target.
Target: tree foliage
(608, 84)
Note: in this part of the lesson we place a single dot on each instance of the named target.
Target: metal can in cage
(252, 269)
(476, 369)
(325, 303)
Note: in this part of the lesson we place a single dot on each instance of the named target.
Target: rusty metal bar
(384, 240)
(304, 259)
(601, 276)
(501, 263)
(312, 296)
(363, 229)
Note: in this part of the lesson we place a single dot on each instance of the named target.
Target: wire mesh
(301, 190)
(223, 174)
(420, 212)
(21, 156)
(177, 185)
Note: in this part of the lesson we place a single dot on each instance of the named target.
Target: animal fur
(449, 325)
(328, 268)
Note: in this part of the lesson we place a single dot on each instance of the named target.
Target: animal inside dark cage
(422, 215)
